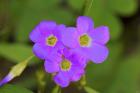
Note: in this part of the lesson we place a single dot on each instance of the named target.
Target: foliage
(13, 89)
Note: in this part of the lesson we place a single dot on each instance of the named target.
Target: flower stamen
(65, 65)
(51, 40)
(84, 40)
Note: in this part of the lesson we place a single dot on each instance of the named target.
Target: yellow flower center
(84, 40)
(51, 40)
(65, 65)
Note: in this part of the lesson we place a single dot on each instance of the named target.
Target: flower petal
(77, 66)
(100, 34)
(76, 72)
(69, 37)
(46, 26)
(62, 79)
(35, 35)
(6, 79)
(40, 51)
(57, 31)
(96, 53)
(51, 66)
(42, 30)
(81, 60)
(84, 24)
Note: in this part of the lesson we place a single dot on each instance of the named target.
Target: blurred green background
(120, 73)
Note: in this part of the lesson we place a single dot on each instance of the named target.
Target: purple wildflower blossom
(47, 38)
(68, 67)
(87, 40)
(6, 79)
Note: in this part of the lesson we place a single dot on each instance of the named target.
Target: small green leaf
(90, 90)
(13, 89)
(16, 70)
(19, 68)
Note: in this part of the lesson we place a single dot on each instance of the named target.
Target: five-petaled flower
(87, 40)
(67, 67)
(47, 38)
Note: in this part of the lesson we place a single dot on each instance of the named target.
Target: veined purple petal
(80, 59)
(76, 72)
(57, 31)
(51, 66)
(42, 30)
(69, 37)
(74, 57)
(62, 79)
(67, 53)
(58, 47)
(96, 53)
(100, 34)
(35, 35)
(40, 51)
(46, 27)
(6, 79)
(78, 64)
(84, 24)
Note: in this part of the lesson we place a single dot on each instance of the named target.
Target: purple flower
(47, 38)
(87, 40)
(6, 79)
(67, 67)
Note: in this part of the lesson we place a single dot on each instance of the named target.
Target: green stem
(57, 89)
(88, 5)
(83, 80)
(41, 80)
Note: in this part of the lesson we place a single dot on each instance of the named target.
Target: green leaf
(124, 7)
(90, 90)
(126, 76)
(16, 52)
(14, 89)
(36, 11)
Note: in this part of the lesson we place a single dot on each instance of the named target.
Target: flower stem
(87, 7)
(83, 80)
(40, 74)
(57, 89)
